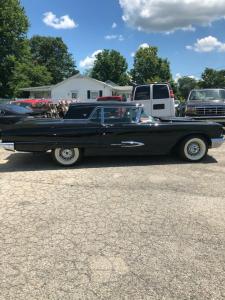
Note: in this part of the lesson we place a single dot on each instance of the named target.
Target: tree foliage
(52, 53)
(13, 45)
(110, 65)
(212, 79)
(149, 67)
(28, 74)
(185, 85)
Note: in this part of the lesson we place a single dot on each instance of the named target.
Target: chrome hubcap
(193, 149)
(67, 154)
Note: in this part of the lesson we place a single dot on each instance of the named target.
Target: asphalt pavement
(112, 228)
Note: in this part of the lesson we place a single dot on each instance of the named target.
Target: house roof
(44, 88)
(50, 87)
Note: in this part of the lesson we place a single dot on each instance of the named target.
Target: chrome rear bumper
(216, 143)
(7, 146)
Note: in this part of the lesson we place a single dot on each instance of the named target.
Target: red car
(33, 103)
(112, 98)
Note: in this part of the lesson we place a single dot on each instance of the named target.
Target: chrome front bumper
(7, 146)
(216, 143)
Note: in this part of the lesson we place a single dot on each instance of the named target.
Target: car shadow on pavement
(21, 162)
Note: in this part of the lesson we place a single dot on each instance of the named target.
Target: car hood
(205, 103)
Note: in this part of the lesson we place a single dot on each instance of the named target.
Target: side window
(96, 117)
(142, 93)
(114, 115)
(79, 112)
(160, 91)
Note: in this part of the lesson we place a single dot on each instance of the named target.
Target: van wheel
(194, 149)
(67, 157)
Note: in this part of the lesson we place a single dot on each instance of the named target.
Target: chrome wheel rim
(67, 156)
(195, 149)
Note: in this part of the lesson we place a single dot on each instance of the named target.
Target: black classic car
(112, 128)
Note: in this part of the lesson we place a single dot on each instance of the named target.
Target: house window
(74, 94)
(94, 94)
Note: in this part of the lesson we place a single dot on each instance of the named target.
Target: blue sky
(190, 33)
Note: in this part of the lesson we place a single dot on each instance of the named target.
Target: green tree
(52, 53)
(212, 79)
(149, 67)
(110, 65)
(185, 85)
(28, 74)
(13, 45)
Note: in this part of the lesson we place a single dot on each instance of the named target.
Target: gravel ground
(112, 228)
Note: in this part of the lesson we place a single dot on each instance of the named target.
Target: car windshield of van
(207, 95)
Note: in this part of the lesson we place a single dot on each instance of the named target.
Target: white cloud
(64, 22)
(144, 45)
(88, 62)
(179, 75)
(169, 16)
(207, 44)
(118, 37)
(114, 25)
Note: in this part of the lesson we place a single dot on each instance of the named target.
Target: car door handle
(107, 125)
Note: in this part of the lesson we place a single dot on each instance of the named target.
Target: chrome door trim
(128, 144)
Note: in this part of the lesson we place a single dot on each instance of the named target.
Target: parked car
(112, 98)
(11, 114)
(112, 128)
(157, 98)
(206, 104)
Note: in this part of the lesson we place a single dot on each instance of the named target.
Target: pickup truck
(206, 104)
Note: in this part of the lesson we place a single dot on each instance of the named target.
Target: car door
(142, 95)
(162, 104)
(121, 134)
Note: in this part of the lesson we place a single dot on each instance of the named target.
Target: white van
(157, 98)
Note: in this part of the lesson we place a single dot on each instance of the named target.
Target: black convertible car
(112, 128)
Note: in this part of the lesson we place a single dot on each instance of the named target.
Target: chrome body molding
(216, 143)
(128, 144)
(7, 146)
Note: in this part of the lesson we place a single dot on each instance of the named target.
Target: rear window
(142, 92)
(160, 91)
(79, 112)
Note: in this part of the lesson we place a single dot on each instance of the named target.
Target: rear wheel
(194, 149)
(67, 156)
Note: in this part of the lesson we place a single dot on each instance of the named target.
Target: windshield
(17, 109)
(207, 95)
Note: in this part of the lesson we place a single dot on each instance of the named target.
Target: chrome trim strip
(128, 144)
(7, 146)
(216, 143)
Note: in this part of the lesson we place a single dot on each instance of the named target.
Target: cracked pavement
(112, 228)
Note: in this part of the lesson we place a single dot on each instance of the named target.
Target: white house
(78, 87)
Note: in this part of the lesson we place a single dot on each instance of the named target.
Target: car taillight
(171, 94)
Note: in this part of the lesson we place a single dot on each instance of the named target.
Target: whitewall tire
(67, 156)
(194, 149)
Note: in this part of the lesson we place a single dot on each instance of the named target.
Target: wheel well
(206, 138)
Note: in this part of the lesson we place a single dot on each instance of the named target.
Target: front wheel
(67, 157)
(193, 149)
